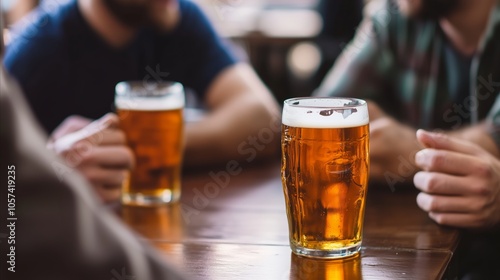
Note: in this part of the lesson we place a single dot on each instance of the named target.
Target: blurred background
(290, 43)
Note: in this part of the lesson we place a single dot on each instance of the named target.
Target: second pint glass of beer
(151, 117)
(324, 170)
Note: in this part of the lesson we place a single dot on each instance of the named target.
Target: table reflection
(161, 222)
(318, 269)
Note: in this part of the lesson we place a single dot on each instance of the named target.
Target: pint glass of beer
(324, 170)
(151, 117)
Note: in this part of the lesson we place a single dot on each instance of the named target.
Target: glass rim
(359, 102)
(140, 88)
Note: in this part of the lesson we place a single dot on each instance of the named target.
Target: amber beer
(325, 161)
(151, 117)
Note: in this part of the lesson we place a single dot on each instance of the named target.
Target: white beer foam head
(162, 96)
(325, 112)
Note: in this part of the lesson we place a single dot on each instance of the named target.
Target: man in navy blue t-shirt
(68, 59)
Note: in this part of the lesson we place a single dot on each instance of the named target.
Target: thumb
(109, 120)
(94, 128)
(70, 124)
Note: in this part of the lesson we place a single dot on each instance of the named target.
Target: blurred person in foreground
(433, 64)
(62, 232)
(68, 59)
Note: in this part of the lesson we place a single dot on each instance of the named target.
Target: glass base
(139, 199)
(327, 254)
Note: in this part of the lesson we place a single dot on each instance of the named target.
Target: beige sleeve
(61, 231)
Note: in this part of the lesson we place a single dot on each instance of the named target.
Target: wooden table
(236, 228)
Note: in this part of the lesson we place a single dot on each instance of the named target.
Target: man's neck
(466, 26)
(115, 33)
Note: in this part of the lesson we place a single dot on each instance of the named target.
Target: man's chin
(168, 19)
(166, 3)
(409, 8)
(427, 9)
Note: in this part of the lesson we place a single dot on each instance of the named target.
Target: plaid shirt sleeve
(363, 68)
(493, 122)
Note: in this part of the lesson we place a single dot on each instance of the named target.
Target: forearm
(241, 133)
(20, 9)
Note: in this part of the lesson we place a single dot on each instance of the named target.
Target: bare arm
(243, 123)
(20, 9)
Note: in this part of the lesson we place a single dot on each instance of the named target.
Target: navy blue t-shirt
(66, 68)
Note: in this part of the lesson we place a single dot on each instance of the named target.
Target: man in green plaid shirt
(431, 64)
